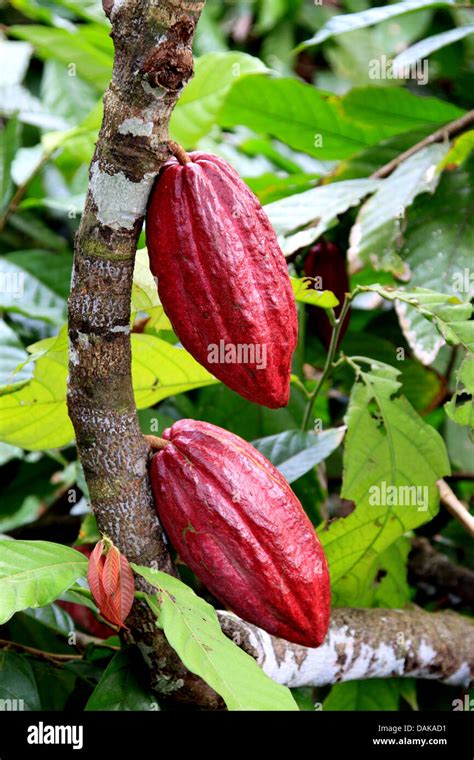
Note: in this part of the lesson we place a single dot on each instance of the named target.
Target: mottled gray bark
(366, 643)
(153, 61)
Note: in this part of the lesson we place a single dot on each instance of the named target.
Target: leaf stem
(337, 327)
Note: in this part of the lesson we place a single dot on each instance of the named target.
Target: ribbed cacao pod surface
(222, 278)
(326, 262)
(235, 521)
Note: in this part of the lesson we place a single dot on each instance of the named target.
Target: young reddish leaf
(111, 583)
(111, 571)
(119, 584)
(94, 573)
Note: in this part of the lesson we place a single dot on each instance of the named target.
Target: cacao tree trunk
(148, 77)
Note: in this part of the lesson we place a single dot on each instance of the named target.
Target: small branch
(21, 190)
(449, 130)
(337, 327)
(366, 643)
(52, 656)
(455, 507)
(434, 572)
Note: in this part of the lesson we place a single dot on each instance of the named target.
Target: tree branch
(434, 572)
(366, 643)
(455, 507)
(153, 60)
(449, 130)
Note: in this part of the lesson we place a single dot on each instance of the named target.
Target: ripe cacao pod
(235, 521)
(222, 278)
(326, 262)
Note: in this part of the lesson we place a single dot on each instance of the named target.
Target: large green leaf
(375, 694)
(160, 370)
(92, 62)
(18, 685)
(191, 626)
(439, 242)
(294, 453)
(315, 210)
(202, 99)
(51, 269)
(461, 407)
(422, 312)
(9, 143)
(145, 294)
(392, 110)
(26, 294)
(343, 23)
(376, 235)
(35, 573)
(12, 354)
(299, 115)
(392, 461)
(35, 416)
(424, 48)
(123, 685)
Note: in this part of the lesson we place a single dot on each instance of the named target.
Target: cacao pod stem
(179, 153)
(155, 443)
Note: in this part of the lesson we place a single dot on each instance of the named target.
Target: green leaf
(439, 241)
(28, 494)
(145, 294)
(35, 416)
(392, 110)
(392, 462)
(25, 294)
(191, 626)
(202, 99)
(17, 682)
(160, 370)
(460, 150)
(294, 453)
(64, 95)
(221, 406)
(296, 113)
(386, 583)
(14, 61)
(9, 143)
(17, 100)
(68, 47)
(377, 232)
(325, 299)
(343, 23)
(123, 685)
(315, 211)
(11, 354)
(420, 311)
(35, 573)
(461, 407)
(424, 48)
(375, 694)
(51, 269)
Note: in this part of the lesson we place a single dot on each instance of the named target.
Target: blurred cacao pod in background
(326, 262)
(235, 521)
(222, 278)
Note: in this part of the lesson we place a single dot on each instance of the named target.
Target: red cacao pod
(222, 278)
(235, 521)
(326, 263)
